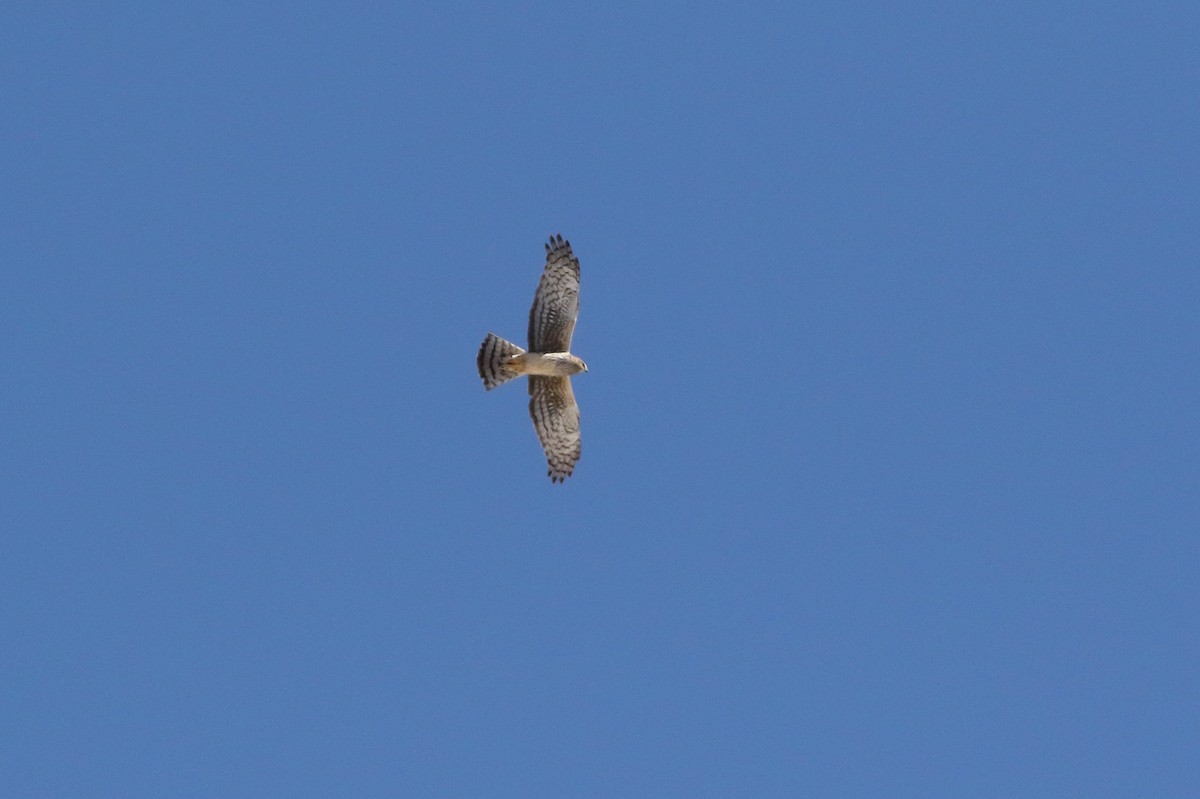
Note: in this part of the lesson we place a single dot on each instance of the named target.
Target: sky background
(891, 467)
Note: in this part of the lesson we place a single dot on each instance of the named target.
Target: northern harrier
(548, 362)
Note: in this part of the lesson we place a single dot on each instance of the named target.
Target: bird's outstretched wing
(556, 303)
(556, 419)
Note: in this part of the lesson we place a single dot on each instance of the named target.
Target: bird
(548, 362)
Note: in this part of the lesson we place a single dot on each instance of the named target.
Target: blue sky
(890, 472)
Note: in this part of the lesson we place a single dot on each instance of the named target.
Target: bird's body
(548, 362)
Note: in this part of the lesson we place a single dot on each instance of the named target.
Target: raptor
(548, 362)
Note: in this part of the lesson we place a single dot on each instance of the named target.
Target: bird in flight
(548, 362)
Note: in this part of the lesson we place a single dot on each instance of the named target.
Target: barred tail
(492, 355)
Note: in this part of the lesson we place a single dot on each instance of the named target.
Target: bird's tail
(492, 358)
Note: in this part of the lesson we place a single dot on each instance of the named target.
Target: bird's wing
(556, 303)
(556, 419)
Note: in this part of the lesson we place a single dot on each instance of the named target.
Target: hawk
(548, 361)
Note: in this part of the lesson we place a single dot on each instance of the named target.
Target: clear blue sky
(890, 478)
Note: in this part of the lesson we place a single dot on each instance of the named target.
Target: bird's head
(576, 364)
